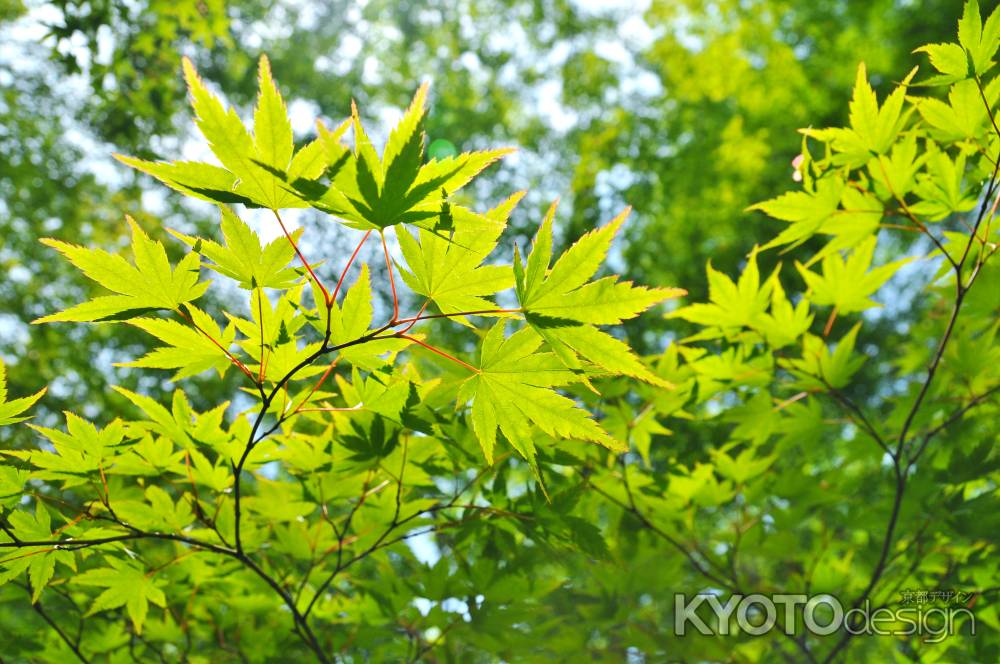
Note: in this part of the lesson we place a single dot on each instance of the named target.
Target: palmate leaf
(76, 453)
(979, 40)
(125, 585)
(949, 59)
(563, 307)
(244, 258)
(964, 116)
(873, 129)
(447, 268)
(806, 211)
(272, 335)
(11, 411)
(750, 303)
(371, 192)
(513, 390)
(821, 369)
(847, 284)
(876, 127)
(147, 285)
(973, 55)
(742, 303)
(260, 169)
(831, 208)
(353, 320)
(565, 292)
(39, 562)
(191, 348)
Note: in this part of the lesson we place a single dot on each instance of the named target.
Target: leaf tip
(190, 74)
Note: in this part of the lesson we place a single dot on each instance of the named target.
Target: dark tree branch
(37, 606)
(901, 472)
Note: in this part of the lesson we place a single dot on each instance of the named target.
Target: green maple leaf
(372, 192)
(973, 55)
(806, 211)
(352, 319)
(514, 389)
(244, 258)
(447, 268)
(148, 285)
(126, 586)
(10, 411)
(272, 335)
(873, 129)
(819, 368)
(979, 41)
(962, 117)
(190, 347)
(745, 303)
(847, 284)
(563, 306)
(731, 304)
(565, 293)
(75, 453)
(262, 169)
(39, 562)
(611, 356)
(949, 59)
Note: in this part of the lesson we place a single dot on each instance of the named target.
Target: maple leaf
(75, 453)
(372, 192)
(513, 389)
(847, 284)
(148, 285)
(260, 170)
(563, 305)
(353, 320)
(39, 562)
(272, 335)
(244, 258)
(447, 267)
(191, 349)
(11, 411)
(565, 292)
(126, 585)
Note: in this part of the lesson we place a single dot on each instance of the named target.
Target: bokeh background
(685, 109)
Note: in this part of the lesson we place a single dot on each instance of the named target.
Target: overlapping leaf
(447, 267)
(272, 335)
(848, 283)
(819, 368)
(873, 129)
(564, 306)
(372, 192)
(258, 169)
(125, 585)
(974, 52)
(192, 347)
(244, 258)
(38, 561)
(565, 292)
(352, 320)
(747, 303)
(75, 453)
(513, 389)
